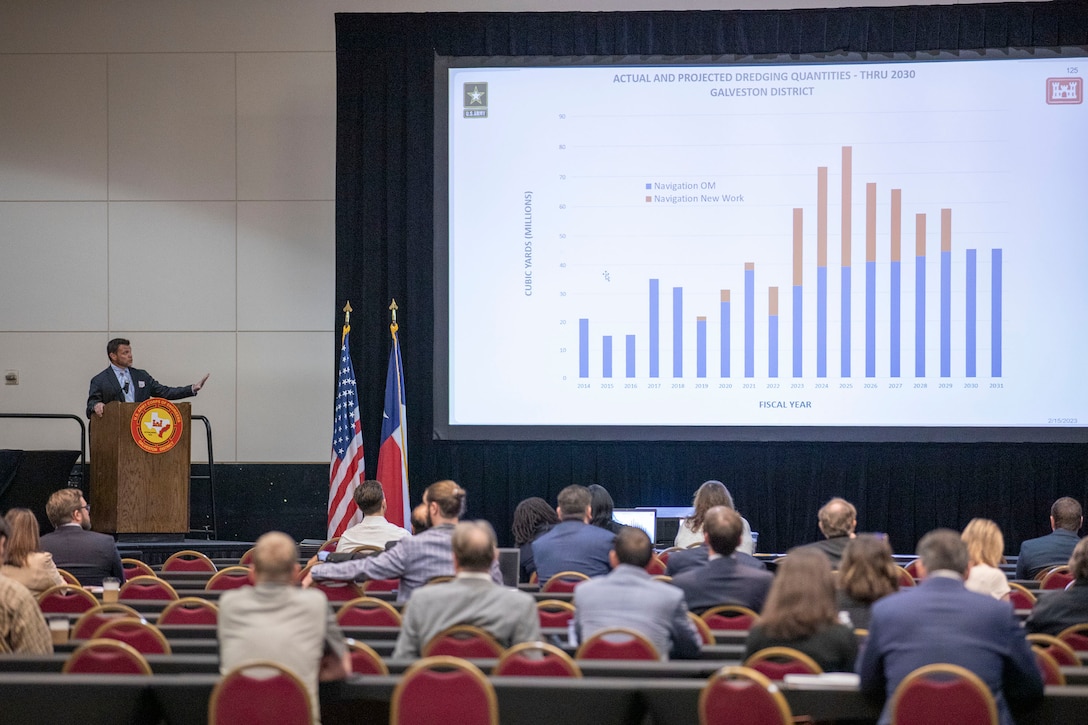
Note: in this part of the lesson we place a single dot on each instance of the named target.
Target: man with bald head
(276, 620)
(723, 579)
(509, 615)
(837, 520)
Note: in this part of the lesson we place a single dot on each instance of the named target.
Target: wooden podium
(133, 490)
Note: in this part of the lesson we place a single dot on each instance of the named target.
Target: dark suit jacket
(106, 389)
(940, 621)
(1057, 610)
(835, 647)
(1050, 550)
(87, 555)
(572, 546)
(724, 581)
(681, 561)
(833, 548)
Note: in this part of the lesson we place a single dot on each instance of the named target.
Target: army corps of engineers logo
(156, 425)
(475, 100)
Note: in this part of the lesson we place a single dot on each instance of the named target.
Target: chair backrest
(435, 687)
(1076, 637)
(365, 660)
(188, 560)
(68, 577)
(1058, 649)
(702, 628)
(777, 662)
(730, 617)
(1020, 596)
(66, 599)
(742, 696)
(617, 643)
(260, 693)
(440, 579)
(144, 588)
(465, 641)
(912, 568)
(664, 555)
(144, 637)
(231, 577)
(368, 612)
(942, 693)
(536, 659)
(906, 579)
(655, 566)
(380, 585)
(1057, 578)
(330, 545)
(367, 550)
(190, 610)
(554, 612)
(338, 591)
(1048, 666)
(89, 622)
(106, 657)
(247, 558)
(564, 581)
(134, 568)
(1041, 574)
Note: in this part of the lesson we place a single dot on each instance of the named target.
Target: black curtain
(384, 249)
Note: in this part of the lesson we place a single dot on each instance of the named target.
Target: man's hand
(98, 408)
(307, 581)
(197, 386)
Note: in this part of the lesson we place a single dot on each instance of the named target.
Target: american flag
(347, 469)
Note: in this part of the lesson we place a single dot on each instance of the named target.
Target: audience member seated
(685, 559)
(1064, 608)
(572, 544)
(629, 597)
(723, 579)
(867, 573)
(985, 550)
(532, 518)
(709, 495)
(800, 613)
(22, 626)
(415, 560)
(470, 598)
(1056, 547)
(419, 519)
(275, 620)
(600, 509)
(837, 520)
(940, 621)
(23, 561)
(374, 529)
(87, 555)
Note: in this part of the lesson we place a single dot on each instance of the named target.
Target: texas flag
(393, 452)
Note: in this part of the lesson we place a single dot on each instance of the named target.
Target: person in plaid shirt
(22, 626)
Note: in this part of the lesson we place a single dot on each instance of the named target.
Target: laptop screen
(645, 519)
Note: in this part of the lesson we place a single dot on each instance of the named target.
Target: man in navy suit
(1057, 546)
(940, 621)
(572, 544)
(85, 554)
(696, 556)
(122, 382)
(723, 579)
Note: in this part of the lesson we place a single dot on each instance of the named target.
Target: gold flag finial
(393, 326)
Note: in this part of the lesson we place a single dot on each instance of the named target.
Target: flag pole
(347, 319)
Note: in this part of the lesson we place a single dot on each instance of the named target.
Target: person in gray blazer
(471, 598)
(87, 555)
(629, 597)
(1056, 547)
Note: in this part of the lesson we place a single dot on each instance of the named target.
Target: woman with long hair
(867, 573)
(532, 517)
(709, 495)
(985, 550)
(800, 613)
(601, 507)
(23, 561)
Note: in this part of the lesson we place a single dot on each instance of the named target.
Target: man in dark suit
(122, 382)
(723, 579)
(572, 544)
(1057, 546)
(85, 554)
(940, 621)
(837, 520)
(1064, 608)
(696, 556)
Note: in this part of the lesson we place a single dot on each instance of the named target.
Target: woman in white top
(710, 494)
(23, 562)
(985, 549)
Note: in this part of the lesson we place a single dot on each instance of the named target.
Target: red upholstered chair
(106, 657)
(465, 641)
(190, 610)
(380, 585)
(434, 687)
(617, 643)
(368, 612)
(664, 555)
(260, 693)
(365, 660)
(705, 635)
(656, 566)
(330, 545)
(912, 568)
(1076, 637)
(89, 622)
(777, 662)
(337, 591)
(66, 599)
(68, 577)
(554, 612)
(144, 588)
(142, 636)
(1048, 666)
(134, 568)
(564, 581)
(188, 560)
(1065, 655)
(942, 693)
(730, 617)
(741, 696)
(231, 577)
(247, 558)
(536, 659)
(1020, 596)
(1057, 578)
(906, 579)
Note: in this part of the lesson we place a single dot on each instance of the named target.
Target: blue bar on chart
(896, 273)
(606, 356)
(678, 332)
(972, 314)
(700, 347)
(847, 231)
(946, 293)
(798, 289)
(725, 333)
(749, 319)
(995, 314)
(583, 348)
(655, 325)
(772, 332)
(870, 280)
(630, 357)
(920, 295)
(821, 271)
